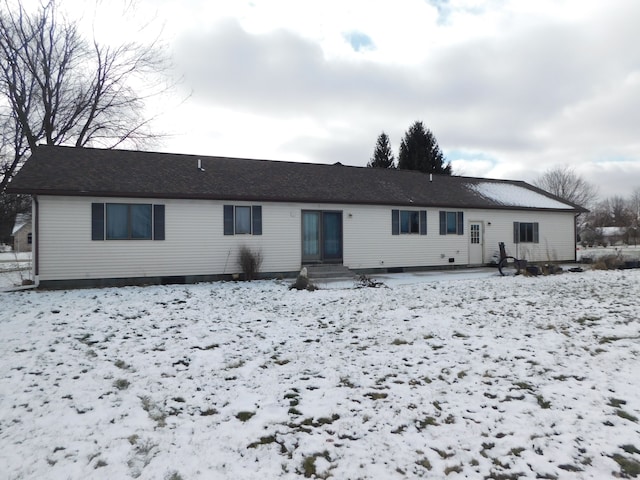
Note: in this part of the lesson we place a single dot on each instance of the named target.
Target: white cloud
(525, 85)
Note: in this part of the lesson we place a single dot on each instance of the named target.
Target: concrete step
(329, 271)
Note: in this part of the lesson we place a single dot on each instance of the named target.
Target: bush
(608, 262)
(250, 262)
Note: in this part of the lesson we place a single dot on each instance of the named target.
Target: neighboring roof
(55, 170)
(612, 231)
(22, 220)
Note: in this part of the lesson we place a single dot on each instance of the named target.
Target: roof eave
(279, 199)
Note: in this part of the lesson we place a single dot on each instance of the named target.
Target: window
(475, 233)
(451, 223)
(242, 220)
(526, 232)
(408, 221)
(127, 221)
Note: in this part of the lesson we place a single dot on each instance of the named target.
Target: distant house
(594, 236)
(108, 217)
(21, 233)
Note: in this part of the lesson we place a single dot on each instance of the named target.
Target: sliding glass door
(321, 236)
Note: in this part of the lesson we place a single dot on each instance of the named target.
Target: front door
(321, 236)
(475, 243)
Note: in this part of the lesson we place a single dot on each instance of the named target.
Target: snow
(516, 196)
(446, 377)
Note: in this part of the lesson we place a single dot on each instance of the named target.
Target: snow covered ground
(490, 377)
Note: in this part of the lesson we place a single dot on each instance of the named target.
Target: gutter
(36, 242)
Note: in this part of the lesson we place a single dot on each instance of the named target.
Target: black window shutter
(158, 222)
(256, 219)
(443, 223)
(536, 233)
(97, 221)
(395, 222)
(228, 219)
(460, 223)
(516, 232)
(423, 222)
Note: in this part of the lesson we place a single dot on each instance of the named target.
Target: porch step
(329, 271)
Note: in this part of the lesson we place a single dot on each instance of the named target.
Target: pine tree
(382, 155)
(419, 150)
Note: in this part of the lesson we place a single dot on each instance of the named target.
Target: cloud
(539, 92)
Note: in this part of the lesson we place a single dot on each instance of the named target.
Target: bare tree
(57, 88)
(60, 89)
(633, 204)
(565, 183)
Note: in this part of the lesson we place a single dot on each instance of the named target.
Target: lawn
(500, 378)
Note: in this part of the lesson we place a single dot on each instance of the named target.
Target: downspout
(575, 237)
(36, 242)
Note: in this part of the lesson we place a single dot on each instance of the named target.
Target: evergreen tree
(419, 150)
(382, 155)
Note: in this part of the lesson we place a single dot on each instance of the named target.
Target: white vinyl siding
(195, 243)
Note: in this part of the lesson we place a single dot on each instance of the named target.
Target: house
(21, 233)
(109, 217)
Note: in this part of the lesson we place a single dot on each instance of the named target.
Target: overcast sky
(508, 87)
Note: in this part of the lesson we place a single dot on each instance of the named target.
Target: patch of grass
(547, 476)
(236, 364)
(485, 447)
(309, 464)
(616, 402)
(626, 415)
(424, 463)
(263, 441)
(459, 335)
(542, 402)
(426, 422)
(629, 467)
(244, 415)
(208, 412)
(587, 318)
(121, 384)
(121, 364)
(399, 429)
(614, 338)
(516, 451)
(400, 341)
(346, 382)
(443, 455)
(376, 395)
(453, 469)
(154, 411)
(629, 448)
(173, 476)
(503, 476)
(524, 385)
(569, 468)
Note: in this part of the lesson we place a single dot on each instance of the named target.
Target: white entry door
(476, 243)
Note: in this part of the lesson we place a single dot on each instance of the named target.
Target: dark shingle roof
(55, 170)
